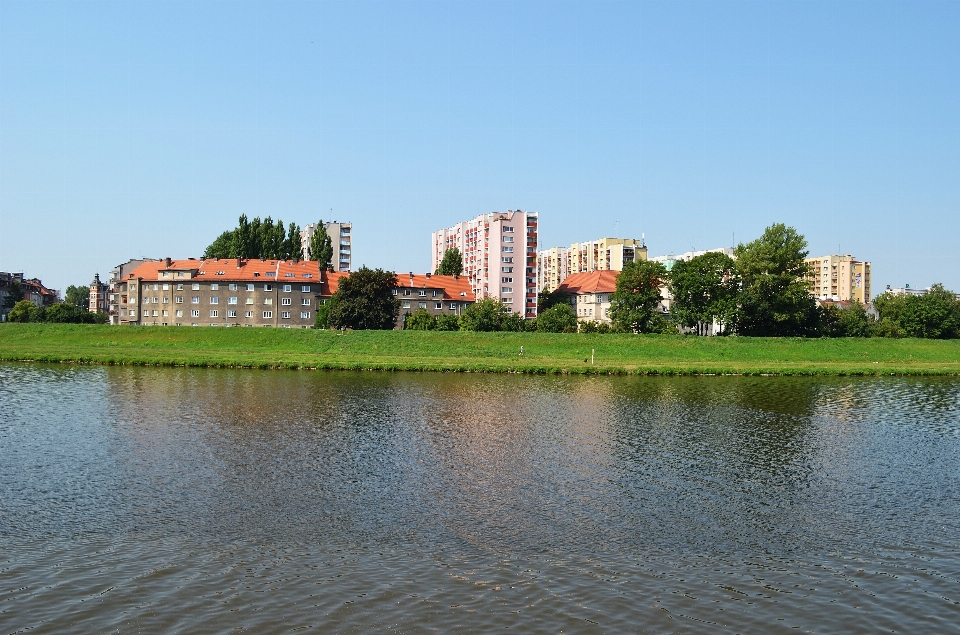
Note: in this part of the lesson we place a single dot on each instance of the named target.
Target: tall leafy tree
(774, 299)
(256, 238)
(222, 247)
(365, 300)
(321, 247)
(292, 249)
(487, 314)
(242, 240)
(935, 315)
(548, 299)
(559, 318)
(78, 297)
(704, 289)
(635, 303)
(452, 263)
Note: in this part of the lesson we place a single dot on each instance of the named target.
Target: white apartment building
(340, 236)
(554, 265)
(499, 256)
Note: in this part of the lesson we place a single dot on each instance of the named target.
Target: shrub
(420, 320)
(560, 318)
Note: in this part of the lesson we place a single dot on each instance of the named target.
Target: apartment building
(31, 288)
(117, 274)
(839, 277)
(603, 254)
(499, 257)
(341, 239)
(669, 260)
(590, 293)
(223, 292)
(438, 295)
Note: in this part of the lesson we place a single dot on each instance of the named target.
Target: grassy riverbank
(476, 352)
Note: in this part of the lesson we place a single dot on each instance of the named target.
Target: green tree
(323, 315)
(365, 300)
(854, 321)
(420, 320)
(14, 294)
(242, 240)
(256, 239)
(484, 315)
(452, 263)
(292, 248)
(548, 299)
(634, 305)
(78, 297)
(559, 318)
(23, 311)
(321, 247)
(774, 299)
(222, 247)
(448, 322)
(704, 289)
(934, 315)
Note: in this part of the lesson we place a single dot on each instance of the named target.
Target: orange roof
(232, 270)
(592, 282)
(454, 287)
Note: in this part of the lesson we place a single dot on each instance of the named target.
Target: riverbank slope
(474, 352)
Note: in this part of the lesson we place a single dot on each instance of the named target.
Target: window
(422, 305)
(305, 288)
(285, 301)
(305, 315)
(268, 300)
(271, 274)
(289, 275)
(436, 293)
(394, 292)
(146, 300)
(214, 313)
(154, 313)
(231, 300)
(438, 305)
(508, 260)
(166, 287)
(507, 270)
(507, 300)
(156, 287)
(422, 293)
(453, 305)
(308, 275)
(406, 305)
(305, 301)
(133, 312)
(508, 249)
(155, 299)
(507, 228)
(508, 239)
(214, 300)
(196, 286)
(231, 314)
(165, 300)
(506, 279)
(285, 315)
(249, 286)
(248, 301)
(179, 313)
(268, 287)
(195, 313)
(268, 314)
(506, 289)
(406, 292)
(232, 287)
(214, 287)
(164, 274)
(180, 287)
(287, 288)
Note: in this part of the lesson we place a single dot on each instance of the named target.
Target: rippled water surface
(214, 501)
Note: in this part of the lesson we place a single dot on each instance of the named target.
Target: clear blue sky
(145, 128)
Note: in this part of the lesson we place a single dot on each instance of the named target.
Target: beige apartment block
(341, 239)
(605, 254)
(841, 278)
(499, 257)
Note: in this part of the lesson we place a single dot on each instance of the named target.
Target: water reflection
(207, 500)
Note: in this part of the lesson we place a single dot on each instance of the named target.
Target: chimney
(411, 278)
(168, 261)
(456, 277)
(428, 275)
(239, 262)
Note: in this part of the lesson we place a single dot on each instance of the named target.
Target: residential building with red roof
(438, 295)
(590, 293)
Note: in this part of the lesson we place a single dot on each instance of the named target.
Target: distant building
(438, 295)
(907, 290)
(499, 257)
(33, 290)
(341, 240)
(840, 278)
(99, 296)
(669, 260)
(603, 254)
(590, 293)
(223, 292)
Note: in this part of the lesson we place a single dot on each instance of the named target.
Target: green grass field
(473, 352)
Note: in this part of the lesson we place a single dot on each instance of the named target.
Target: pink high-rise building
(499, 256)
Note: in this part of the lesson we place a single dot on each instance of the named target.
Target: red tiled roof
(454, 287)
(232, 270)
(592, 282)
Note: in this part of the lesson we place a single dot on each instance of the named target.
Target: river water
(144, 500)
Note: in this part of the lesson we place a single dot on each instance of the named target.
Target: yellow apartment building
(839, 277)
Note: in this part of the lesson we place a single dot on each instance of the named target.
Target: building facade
(31, 289)
(840, 278)
(603, 254)
(590, 293)
(438, 295)
(341, 237)
(499, 257)
(99, 296)
(113, 285)
(222, 292)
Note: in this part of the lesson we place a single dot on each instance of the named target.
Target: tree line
(270, 240)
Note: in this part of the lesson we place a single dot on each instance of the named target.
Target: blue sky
(145, 128)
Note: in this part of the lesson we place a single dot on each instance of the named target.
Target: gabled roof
(591, 282)
(453, 287)
(232, 270)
